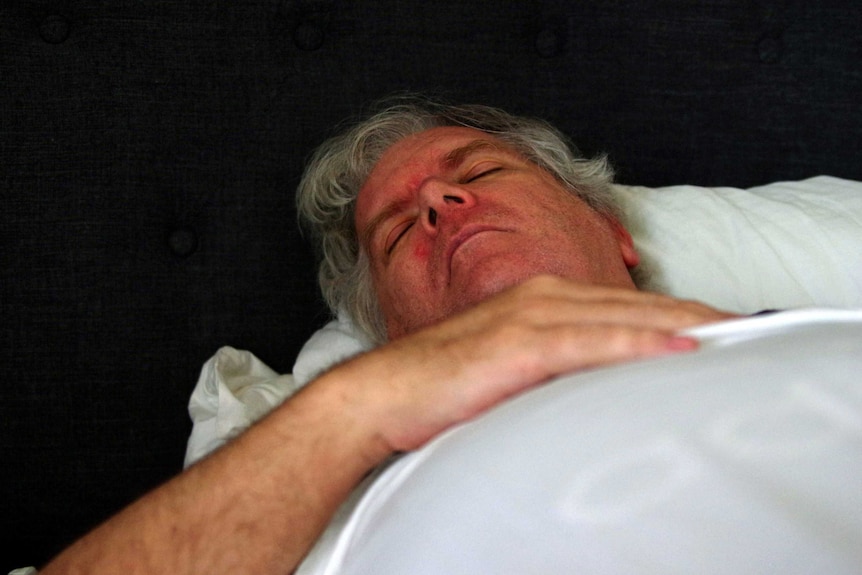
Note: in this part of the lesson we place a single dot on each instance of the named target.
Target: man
(486, 253)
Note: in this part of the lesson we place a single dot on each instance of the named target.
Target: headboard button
(55, 29)
(308, 36)
(183, 242)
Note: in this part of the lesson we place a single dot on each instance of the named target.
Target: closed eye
(482, 174)
(400, 234)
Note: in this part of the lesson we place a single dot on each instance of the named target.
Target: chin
(481, 289)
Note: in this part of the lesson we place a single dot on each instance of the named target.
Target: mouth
(462, 237)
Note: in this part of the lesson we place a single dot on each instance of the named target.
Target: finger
(613, 304)
(524, 356)
(558, 311)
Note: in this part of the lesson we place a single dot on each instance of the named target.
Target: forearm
(258, 505)
(255, 506)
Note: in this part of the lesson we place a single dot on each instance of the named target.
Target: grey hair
(326, 196)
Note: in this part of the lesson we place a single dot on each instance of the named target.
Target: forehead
(426, 150)
(406, 163)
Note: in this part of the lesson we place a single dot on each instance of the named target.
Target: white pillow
(783, 245)
(780, 246)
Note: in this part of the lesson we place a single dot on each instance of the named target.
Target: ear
(626, 243)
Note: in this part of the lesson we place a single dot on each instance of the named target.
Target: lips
(464, 235)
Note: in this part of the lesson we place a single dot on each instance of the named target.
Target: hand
(417, 386)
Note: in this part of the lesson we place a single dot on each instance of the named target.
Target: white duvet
(745, 457)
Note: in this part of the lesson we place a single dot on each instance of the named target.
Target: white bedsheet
(745, 457)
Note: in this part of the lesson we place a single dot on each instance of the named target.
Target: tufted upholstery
(149, 151)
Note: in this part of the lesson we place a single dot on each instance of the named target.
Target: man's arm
(257, 505)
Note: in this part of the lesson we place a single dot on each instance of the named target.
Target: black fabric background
(149, 150)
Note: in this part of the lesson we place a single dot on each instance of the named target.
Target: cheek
(421, 251)
(401, 278)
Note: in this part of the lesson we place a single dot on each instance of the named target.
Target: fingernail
(682, 343)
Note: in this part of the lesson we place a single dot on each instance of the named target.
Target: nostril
(432, 216)
(456, 199)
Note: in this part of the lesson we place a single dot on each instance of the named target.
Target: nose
(438, 199)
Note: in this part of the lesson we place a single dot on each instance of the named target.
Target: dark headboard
(149, 151)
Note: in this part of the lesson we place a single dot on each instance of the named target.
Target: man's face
(452, 215)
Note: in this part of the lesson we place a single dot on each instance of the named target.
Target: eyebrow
(457, 156)
(449, 162)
